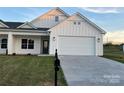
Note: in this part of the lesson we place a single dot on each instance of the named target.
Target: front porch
(24, 43)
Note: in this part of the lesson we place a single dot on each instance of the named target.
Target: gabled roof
(13, 25)
(2, 23)
(86, 19)
(42, 29)
(57, 8)
(19, 25)
(92, 23)
(27, 23)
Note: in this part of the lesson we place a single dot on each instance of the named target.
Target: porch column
(10, 43)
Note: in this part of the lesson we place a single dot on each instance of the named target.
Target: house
(123, 47)
(71, 35)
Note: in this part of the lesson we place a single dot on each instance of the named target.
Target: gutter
(21, 30)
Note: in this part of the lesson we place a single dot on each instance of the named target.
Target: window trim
(4, 43)
(28, 44)
(56, 18)
(24, 44)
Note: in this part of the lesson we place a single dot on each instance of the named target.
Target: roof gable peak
(59, 9)
(56, 8)
(86, 19)
(27, 23)
(89, 21)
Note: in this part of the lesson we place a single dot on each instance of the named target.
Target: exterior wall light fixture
(54, 38)
(98, 40)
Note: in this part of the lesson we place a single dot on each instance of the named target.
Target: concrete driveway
(92, 71)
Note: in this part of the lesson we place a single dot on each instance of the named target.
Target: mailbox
(57, 64)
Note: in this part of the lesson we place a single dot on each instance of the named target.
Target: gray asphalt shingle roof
(14, 25)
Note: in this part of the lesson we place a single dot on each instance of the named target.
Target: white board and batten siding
(26, 26)
(16, 42)
(71, 35)
(48, 20)
(81, 35)
(17, 45)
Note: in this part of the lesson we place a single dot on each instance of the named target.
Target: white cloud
(102, 10)
(116, 37)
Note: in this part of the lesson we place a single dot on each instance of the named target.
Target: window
(4, 43)
(31, 44)
(79, 23)
(56, 18)
(24, 43)
(74, 23)
(27, 44)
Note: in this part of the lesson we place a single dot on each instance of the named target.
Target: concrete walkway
(92, 71)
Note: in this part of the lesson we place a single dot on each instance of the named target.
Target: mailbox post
(56, 66)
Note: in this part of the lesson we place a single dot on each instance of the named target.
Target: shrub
(13, 54)
(29, 54)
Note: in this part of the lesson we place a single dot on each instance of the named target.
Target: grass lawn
(114, 52)
(28, 71)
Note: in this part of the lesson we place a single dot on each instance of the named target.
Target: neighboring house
(123, 47)
(71, 35)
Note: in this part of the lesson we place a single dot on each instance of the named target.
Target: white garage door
(76, 46)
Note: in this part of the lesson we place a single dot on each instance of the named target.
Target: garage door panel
(76, 46)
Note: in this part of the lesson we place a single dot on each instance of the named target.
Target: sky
(111, 19)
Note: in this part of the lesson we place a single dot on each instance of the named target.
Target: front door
(45, 46)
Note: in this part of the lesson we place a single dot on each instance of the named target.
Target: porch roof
(14, 25)
(43, 29)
